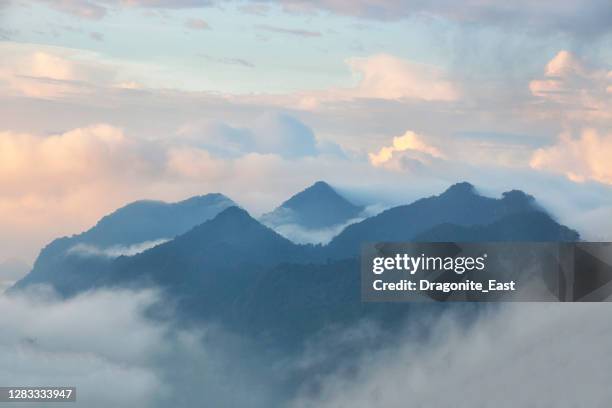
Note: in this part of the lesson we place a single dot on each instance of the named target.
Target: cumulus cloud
(271, 133)
(584, 158)
(507, 358)
(385, 76)
(580, 90)
(31, 163)
(61, 183)
(409, 141)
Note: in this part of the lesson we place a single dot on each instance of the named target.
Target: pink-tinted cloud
(408, 142)
(385, 76)
(586, 157)
(576, 89)
(51, 72)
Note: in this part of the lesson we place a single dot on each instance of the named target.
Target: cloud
(58, 183)
(242, 146)
(98, 9)
(577, 88)
(511, 356)
(271, 133)
(51, 73)
(105, 337)
(229, 61)
(102, 343)
(584, 158)
(114, 251)
(290, 31)
(302, 235)
(11, 270)
(86, 9)
(385, 76)
(60, 162)
(409, 141)
(197, 24)
(62, 183)
(574, 17)
(166, 3)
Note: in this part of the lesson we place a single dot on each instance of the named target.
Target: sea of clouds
(106, 344)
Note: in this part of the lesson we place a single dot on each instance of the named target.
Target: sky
(108, 101)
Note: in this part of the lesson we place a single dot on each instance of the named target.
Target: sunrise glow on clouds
(105, 102)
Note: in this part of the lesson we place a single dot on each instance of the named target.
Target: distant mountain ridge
(318, 206)
(144, 221)
(460, 204)
(235, 271)
(212, 263)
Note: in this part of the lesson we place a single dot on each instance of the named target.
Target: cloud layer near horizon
(102, 343)
(524, 353)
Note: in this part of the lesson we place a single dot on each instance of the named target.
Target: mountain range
(67, 262)
(217, 263)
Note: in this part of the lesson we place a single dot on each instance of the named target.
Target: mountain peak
(461, 188)
(317, 191)
(320, 185)
(518, 197)
(235, 213)
(234, 219)
(317, 206)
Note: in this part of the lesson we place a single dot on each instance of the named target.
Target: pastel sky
(108, 101)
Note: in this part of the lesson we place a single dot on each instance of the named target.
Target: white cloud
(51, 72)
(102, 343)
(409, 141)
(385, 76)
(578, 89)
(114, 251)
(555, 354)
(270, 133)
(584, 158)
(302, 235)
(52, 164)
